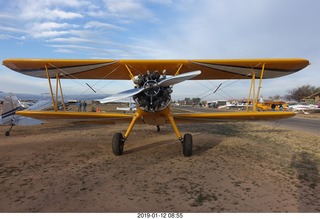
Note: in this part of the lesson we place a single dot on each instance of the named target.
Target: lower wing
(178, 117)
(107, 117)
(229, 116)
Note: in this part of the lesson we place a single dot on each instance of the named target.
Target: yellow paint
(119, 70)
(71, 115)
(233, 116)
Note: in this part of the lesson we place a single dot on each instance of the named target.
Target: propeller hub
(151, 88)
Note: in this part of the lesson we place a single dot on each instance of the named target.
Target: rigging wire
(75, 79)
(220, 87)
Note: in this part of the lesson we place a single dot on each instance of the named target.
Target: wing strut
(260, 82)
(177, 72)
(50, 86)
(58, 82)
(252, 92)
(58, 85)
(130, 73)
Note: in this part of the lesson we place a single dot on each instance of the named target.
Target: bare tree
(275, 97)
(301, 92)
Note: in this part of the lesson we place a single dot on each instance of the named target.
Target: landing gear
(187, 145)
(119, 139)
(7, 133)
(117, 144)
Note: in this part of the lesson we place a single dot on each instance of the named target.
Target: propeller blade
(121, 95)
(179, 78)
(165, 83)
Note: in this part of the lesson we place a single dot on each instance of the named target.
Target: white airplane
(304, 107)
(130, 105)
(131, 108)
(11, 105)
(233, 106)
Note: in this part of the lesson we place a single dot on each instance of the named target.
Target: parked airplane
(131, 107)
(11, 105)
(304, 107)
(272, 105)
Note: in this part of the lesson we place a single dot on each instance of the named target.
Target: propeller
(121, 95)
(151, 87)
(178, 78)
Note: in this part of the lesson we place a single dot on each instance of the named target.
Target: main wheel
(187, 145)
(117, 144)
(7, 133)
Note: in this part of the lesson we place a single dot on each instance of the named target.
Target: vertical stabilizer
(11, 105)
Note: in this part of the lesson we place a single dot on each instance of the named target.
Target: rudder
(11, 105)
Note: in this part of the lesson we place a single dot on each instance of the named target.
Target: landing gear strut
(7, 133)
(119, 139)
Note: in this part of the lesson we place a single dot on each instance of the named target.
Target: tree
(275, 97)
(301, 92)
(193, 101)
(187, 101)
(196, 101)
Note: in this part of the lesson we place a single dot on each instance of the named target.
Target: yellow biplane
(153, 83)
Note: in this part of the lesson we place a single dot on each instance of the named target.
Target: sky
(161, 29)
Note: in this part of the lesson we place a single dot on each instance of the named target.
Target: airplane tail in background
(11, 105)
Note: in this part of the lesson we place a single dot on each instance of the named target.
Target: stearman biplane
(153, 85)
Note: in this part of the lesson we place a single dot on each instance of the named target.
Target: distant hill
(44, 96)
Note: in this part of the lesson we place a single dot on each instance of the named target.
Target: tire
(117, 144)
(187, 145)
(7, 133)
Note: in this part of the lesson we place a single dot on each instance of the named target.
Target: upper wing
(125, 69)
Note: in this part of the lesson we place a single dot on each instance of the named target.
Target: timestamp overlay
(170, 215)
(160, 215)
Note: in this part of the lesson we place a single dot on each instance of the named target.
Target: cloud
(44, 10)
(101, 25)
(49, 34)
(129, 9)
(11, 29)
(44, 26)
(71, 40)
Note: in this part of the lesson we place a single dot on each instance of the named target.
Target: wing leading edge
(230, 116)
(178, 117)
(49, 115)
(125, 69)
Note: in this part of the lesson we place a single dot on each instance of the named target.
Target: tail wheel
(117, 144)
(187, 145)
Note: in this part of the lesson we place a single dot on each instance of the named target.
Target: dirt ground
(236, 167)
